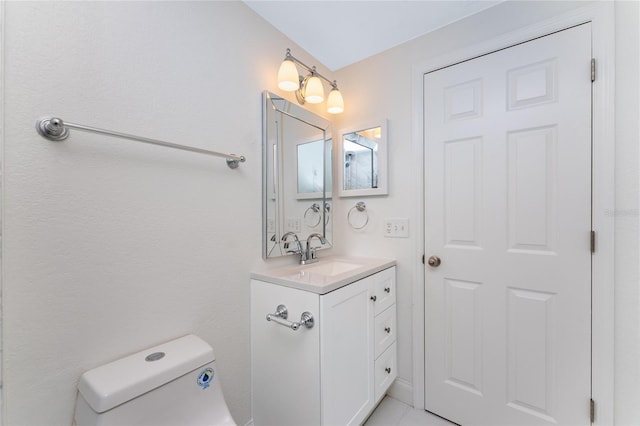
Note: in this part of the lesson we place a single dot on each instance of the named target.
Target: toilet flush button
(154, 356)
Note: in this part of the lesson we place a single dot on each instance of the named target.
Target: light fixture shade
(313, 91)
(335, 104)
(288, 79)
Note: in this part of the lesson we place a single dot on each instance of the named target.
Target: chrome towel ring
(361, 208)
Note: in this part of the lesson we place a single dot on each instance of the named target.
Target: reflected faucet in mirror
(297, 241)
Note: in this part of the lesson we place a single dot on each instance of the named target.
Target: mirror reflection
(361, 159)
(296, 176)
(311, 179)
(363, 162)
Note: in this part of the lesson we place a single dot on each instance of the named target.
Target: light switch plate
(397, 227)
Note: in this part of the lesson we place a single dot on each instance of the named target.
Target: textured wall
(112, 246)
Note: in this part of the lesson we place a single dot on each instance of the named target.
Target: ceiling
(340, 33)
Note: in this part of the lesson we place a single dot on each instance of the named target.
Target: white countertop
(328, 274)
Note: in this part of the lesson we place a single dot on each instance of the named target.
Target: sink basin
(328, 274)
(332, 268)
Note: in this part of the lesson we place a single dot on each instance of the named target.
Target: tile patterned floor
(392, 412)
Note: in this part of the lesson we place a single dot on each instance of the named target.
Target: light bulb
(335, 104)
(313, 91)
(288, 79)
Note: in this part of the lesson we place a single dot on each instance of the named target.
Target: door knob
(434, 261)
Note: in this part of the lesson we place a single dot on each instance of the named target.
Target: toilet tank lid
(112, 384)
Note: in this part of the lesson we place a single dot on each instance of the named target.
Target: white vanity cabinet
(334, 373)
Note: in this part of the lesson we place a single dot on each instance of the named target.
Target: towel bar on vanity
(282, 313)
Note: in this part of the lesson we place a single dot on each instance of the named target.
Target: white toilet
(175, 383)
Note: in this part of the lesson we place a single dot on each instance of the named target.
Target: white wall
(381, 86)
(111, 246)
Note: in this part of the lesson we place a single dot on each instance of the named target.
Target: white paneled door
(508, 215)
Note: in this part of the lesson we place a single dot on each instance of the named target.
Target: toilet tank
(175, 383)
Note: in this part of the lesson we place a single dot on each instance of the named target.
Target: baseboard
(402, 390)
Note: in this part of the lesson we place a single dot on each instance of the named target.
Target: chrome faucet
(310, 253)
(306, 256)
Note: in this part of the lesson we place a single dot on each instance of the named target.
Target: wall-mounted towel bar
(55, 129)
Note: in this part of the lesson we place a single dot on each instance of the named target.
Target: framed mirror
(362, 160)
(297, 167)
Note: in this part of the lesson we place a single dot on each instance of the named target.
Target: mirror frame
(383, 149)
(322, 124)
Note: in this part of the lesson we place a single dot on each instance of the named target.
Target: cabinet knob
(387, 289)
(388, 370)
(374, 298)
(387, 329)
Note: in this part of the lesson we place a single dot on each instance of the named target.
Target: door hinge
(592, 241)
(423, 259)
(593, 69)
(592, 410)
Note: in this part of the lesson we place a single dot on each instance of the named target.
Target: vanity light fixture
(308, 88)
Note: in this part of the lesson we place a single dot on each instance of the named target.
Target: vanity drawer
(386, 371)
(385, 330)
(384, 289)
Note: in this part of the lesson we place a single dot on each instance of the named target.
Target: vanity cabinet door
(347, 333)
(285, 363)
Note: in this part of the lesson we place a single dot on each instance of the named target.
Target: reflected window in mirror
(363, 161)
(310, 169)
(314, 169)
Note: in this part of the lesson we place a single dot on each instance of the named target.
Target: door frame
(601, 16)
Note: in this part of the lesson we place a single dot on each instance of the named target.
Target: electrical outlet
(292, 224)
(397, 227)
